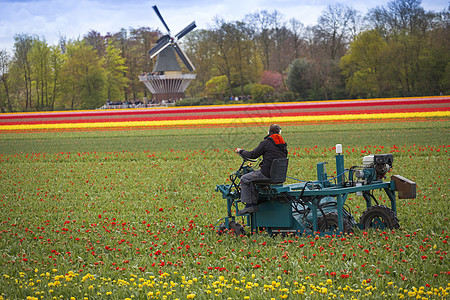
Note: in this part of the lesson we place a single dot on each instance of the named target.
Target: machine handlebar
(247, 159)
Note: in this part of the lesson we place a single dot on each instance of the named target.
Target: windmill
(167, 81)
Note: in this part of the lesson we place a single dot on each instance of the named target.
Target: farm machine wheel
(379, 216)
(329, 222)
(235, 227)
(221, 229)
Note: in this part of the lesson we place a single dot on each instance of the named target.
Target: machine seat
(278, 172)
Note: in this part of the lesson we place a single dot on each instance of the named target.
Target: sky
(50, 19)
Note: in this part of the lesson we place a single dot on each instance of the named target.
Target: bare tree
(336, 27)
(401, 17)
(137, 59)
(22, 49)
(198, 47)
(298, 31)
(5, 61)
(263, 25)
(97, 41)
(283, 51)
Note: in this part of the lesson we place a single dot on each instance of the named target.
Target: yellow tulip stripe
(219, 121)
(176, 286)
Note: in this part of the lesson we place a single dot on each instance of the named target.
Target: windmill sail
(159, 47)
(185, 31)
(161, 18)
(184, 58)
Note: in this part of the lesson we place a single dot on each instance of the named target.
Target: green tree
(361, 65)
(216, 87)
(234, 54)
(96, 40)
(40, 66)
(56, 65)
(93, 89)
(84, 77)
(283, 51)
(244, 59)
(262, 92)
(406, 27)
(298, 79)
(222, 48)
(434, 76)
(116, 81)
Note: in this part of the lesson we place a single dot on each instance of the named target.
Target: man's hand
(237, 150)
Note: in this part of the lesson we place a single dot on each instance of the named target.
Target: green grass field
(131, 214)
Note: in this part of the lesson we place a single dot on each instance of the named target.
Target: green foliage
(243, 93)
(43, 77)
(216, 87)
(92, 89)
(248, 89)
(262, 92)
(398, 65)
(286, 97)
(297, 78)
(40, 58)
(84, 77)
(232, 53)
(57, 60)
(198, 101)
(115, 72)
(445, 80)
(361, 65)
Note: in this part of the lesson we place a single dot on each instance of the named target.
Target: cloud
(50, 19)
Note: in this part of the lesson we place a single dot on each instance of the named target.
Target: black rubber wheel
(237, 228)
(331, 223)
(379, 217)
(222, 229)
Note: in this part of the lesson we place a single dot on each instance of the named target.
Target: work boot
(249, 208)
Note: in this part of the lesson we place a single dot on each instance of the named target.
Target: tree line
(74, 74)
(394, 50)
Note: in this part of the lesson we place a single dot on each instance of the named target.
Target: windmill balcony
(167, 75)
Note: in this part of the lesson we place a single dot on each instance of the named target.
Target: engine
(374, 167)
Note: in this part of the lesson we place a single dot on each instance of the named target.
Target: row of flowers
(175, 285)
(218, 120)
(250, 108)
(241, 115)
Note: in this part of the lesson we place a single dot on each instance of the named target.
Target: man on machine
(272, 147)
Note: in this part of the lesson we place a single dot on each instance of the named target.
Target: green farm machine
(317, 207)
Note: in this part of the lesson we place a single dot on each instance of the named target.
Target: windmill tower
(167, 81)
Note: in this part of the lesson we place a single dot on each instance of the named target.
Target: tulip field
(91, 211)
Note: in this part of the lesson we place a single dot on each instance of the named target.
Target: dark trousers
(249, 193)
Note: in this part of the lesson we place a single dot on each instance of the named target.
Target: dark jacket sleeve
(255, 153)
